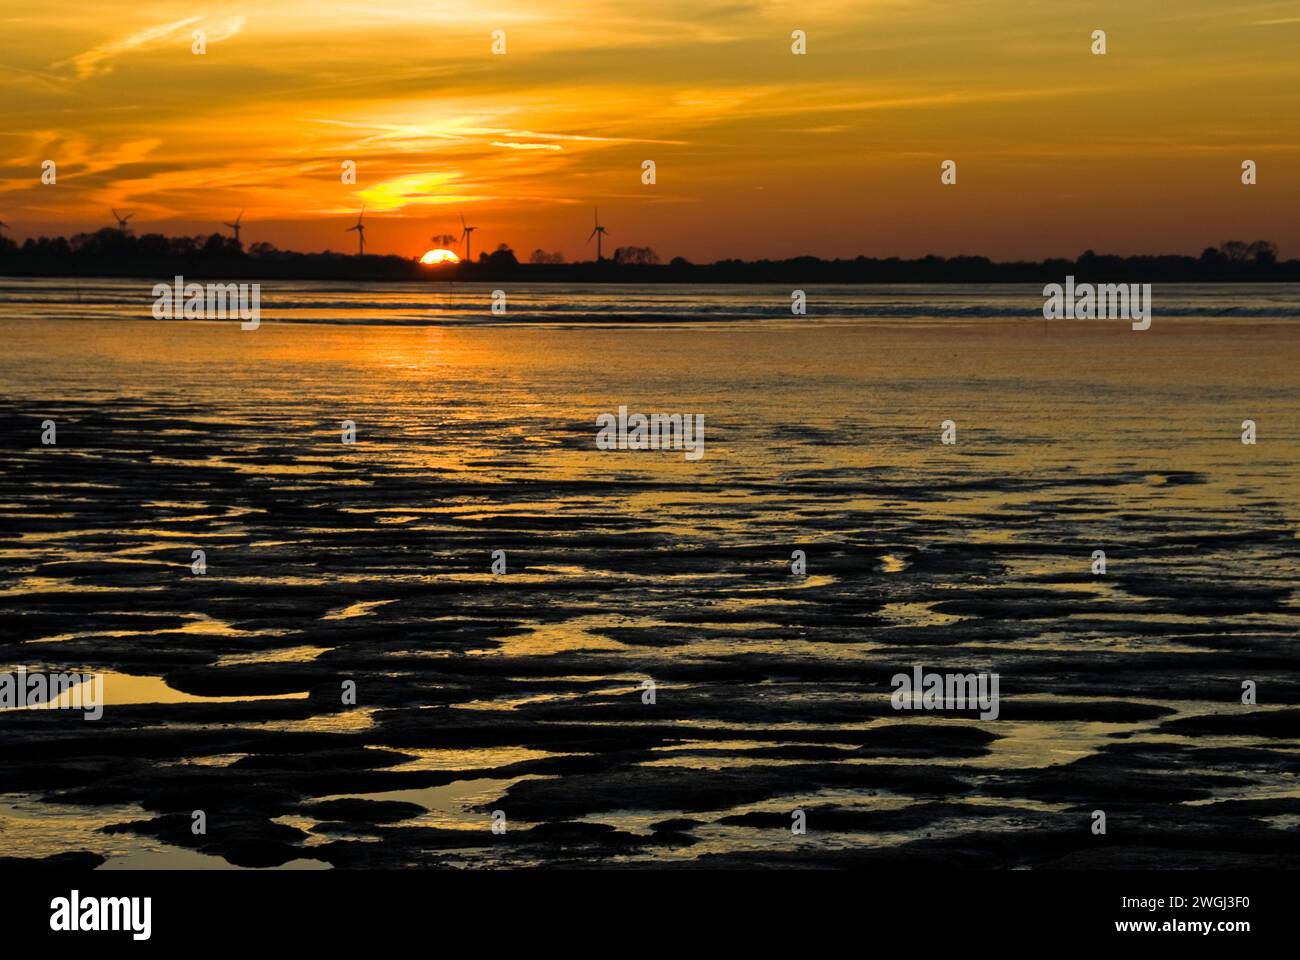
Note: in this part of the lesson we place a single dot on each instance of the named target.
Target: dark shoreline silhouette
(113, 253)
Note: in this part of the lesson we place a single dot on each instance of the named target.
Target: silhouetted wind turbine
(235, 226)
(121, 221)
(466, 235)
(598, 233)
(360, 228)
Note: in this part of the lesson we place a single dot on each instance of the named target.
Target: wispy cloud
(525, 146)
(100, 59)
(750, 141)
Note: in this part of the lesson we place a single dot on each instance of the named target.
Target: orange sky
(759, 152)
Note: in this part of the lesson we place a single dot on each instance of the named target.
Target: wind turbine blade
(593, 233)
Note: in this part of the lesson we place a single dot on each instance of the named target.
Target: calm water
(469, 303)
(524, 692)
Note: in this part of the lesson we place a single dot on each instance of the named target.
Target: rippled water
(349, 302)
(523, 692)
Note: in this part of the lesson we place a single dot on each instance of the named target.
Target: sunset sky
(759, 152)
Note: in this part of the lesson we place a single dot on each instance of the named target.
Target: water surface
(523, 692)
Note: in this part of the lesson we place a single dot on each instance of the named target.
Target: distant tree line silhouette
(112, 252)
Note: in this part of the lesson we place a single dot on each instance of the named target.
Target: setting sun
(440, 256)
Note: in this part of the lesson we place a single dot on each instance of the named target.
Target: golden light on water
(440, 256)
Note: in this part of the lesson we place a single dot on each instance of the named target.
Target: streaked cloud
(100, 59)
(758, 151)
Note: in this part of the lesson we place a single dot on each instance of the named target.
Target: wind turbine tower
(360, 228)
(235, 226)
(599, 233)
(467, 234)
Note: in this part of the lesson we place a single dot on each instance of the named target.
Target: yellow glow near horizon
(440, 256)
(759, 152)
